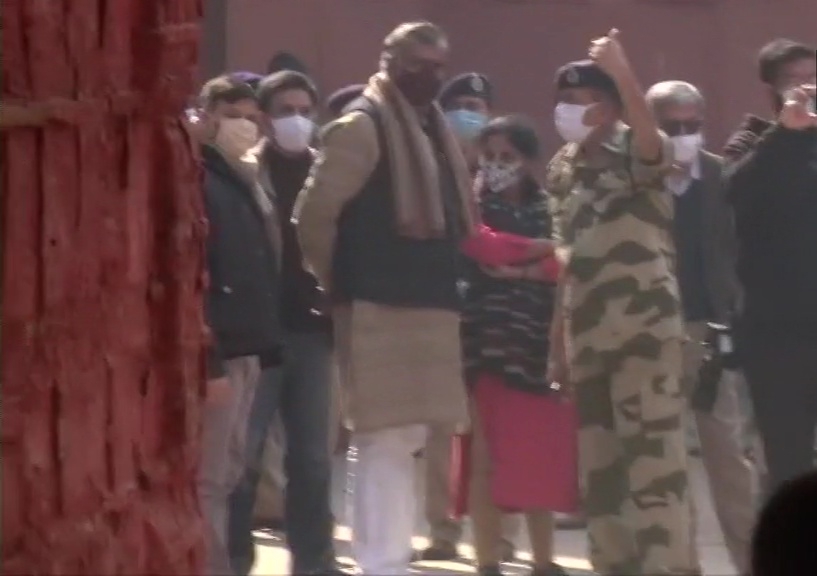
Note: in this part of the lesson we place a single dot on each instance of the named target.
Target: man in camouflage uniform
(620, 318)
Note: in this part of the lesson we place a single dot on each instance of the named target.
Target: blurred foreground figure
(783, 543)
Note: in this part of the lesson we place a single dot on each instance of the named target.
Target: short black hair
(286, 61)
(225, 88)
(783, 541)
(778, 53)
(285, 80)
(519, 131)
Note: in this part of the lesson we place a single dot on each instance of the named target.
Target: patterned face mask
(499, 176)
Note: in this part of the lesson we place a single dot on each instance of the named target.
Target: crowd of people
(541, 330)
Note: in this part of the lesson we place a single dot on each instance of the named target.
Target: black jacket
(242, 300)
(771, 179)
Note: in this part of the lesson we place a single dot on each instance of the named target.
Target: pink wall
(519, 43)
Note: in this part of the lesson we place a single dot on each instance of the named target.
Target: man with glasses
(704, 241)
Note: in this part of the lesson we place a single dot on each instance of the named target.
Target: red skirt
(532, 444)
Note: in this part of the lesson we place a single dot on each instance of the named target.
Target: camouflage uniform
(624, 333)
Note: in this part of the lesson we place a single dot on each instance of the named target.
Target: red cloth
(460, 475)
(532, 443)
(492, 248)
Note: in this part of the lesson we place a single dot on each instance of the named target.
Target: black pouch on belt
(720, 355)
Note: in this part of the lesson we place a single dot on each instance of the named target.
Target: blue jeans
(301, 390)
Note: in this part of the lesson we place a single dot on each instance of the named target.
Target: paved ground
(570, 545)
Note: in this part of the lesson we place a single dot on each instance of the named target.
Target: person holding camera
(771, 179)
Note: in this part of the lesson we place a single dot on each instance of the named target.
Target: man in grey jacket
(705, 244)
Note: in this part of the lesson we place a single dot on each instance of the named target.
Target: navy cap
(468, 84)
(586, 74)
(250, 78)
(338, 100)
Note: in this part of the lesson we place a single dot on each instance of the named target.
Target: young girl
(523, 437)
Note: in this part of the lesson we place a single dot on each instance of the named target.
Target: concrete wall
(520, 43)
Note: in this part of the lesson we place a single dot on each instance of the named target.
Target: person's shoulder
(558, 172)
(353, 124)
(745, 136)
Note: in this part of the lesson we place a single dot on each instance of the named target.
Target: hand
(542, 248)
(559, 377)
(504, 272)
(608, 53)
(557, 371)
(219, 391)
(795, 114)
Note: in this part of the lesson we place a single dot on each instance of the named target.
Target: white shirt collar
(680, 183)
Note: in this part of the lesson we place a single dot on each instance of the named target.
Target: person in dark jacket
(300, 392)
(242, 301)
(771, 178)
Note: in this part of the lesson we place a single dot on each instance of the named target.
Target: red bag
(533, 445)
(460, 475)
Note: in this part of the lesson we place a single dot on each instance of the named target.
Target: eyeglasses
(681, 127)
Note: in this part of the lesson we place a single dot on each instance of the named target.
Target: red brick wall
(102, 330)
(519, 43)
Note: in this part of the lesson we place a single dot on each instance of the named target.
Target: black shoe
(551, 570)
(571, 522)
(489, 570)
(437, 552)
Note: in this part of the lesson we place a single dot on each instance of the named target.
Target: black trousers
(782, 377)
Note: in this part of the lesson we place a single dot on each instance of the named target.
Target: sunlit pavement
(273, 558)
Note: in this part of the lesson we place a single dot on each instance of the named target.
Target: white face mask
(236, 135)
(293, 133)
(569, 121)
(499, 176)
(686, 147)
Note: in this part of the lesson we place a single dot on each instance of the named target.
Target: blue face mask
(466, 123)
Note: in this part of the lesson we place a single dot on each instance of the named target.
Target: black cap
(338, 100)
(586, 74)
(468, 84)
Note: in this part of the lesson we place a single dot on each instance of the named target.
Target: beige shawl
(414, 167)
